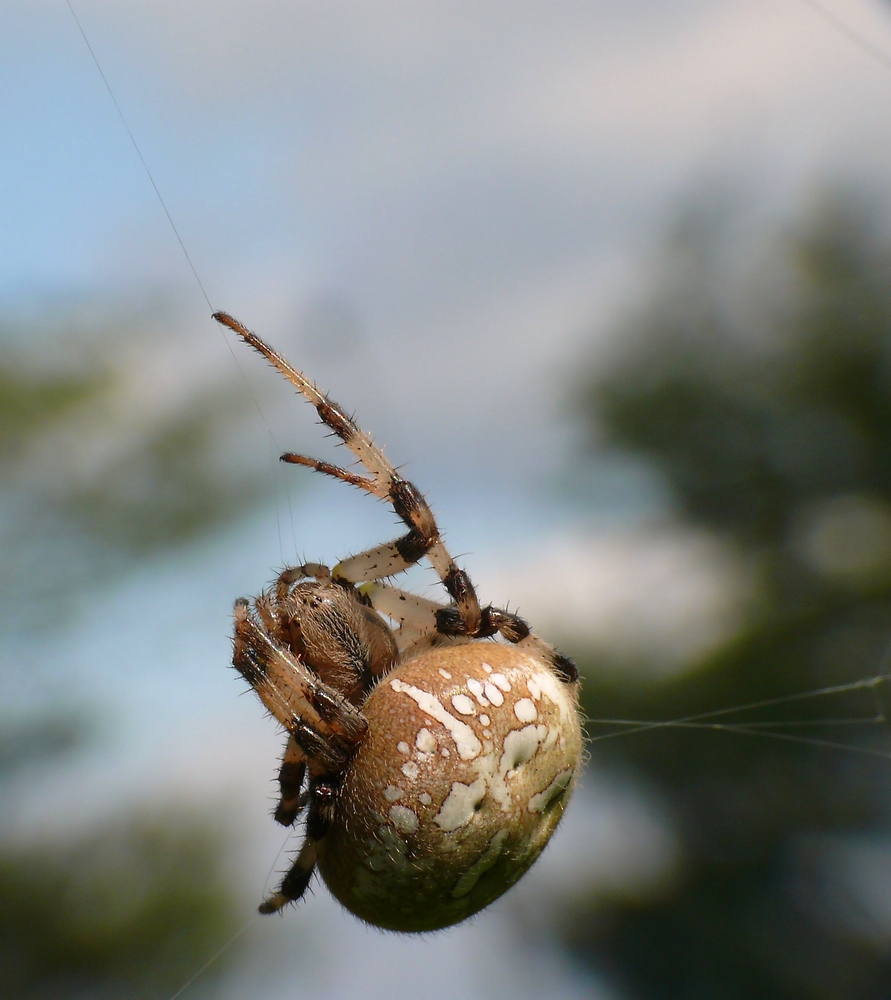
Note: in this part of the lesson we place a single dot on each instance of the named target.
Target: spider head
(344, 642)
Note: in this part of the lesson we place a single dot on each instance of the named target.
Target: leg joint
(413, 546)
(410, 505)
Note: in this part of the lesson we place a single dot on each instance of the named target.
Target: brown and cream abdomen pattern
(436, 822)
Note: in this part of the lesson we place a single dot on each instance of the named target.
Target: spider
(433, 765)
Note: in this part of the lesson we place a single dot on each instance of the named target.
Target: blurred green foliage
(29, 404)
(128, 907)
(131, 911)
(167, 489)
(100, 466)
(764, 402)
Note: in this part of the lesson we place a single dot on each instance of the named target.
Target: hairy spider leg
(324, 731)
(385, 483)
(291, 776)
(293, 574)
(416, 615)
(322, 796)
(466, 618)
(418, 618)
(292, 771)
(324, 724)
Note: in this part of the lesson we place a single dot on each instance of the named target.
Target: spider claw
(274, 904)
(566, 669)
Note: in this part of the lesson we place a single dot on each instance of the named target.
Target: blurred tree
(131, 912)
(766, 407)
(102, 468)
(130, 909)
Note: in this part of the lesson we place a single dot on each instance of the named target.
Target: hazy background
(612, 281)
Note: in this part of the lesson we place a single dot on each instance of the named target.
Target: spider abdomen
(471, 754)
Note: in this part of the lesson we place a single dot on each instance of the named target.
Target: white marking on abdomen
(461, 703)
(460, 804)
(404, 819)
(470, 878)
(493, 694)
(559, 785)
(425, 741)
(525, 710)
(520, 745)
(475, 687)
(465, 739)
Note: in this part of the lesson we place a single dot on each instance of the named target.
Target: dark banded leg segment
(322, 798)
(384, 482)
(290, 781)
(324, 725)
(419, 617)
(465, 617)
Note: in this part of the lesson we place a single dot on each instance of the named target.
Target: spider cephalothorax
(433, 765)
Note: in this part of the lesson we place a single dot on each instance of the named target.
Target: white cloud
(662, 595)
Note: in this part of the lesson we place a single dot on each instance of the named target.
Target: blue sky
(478, 184)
